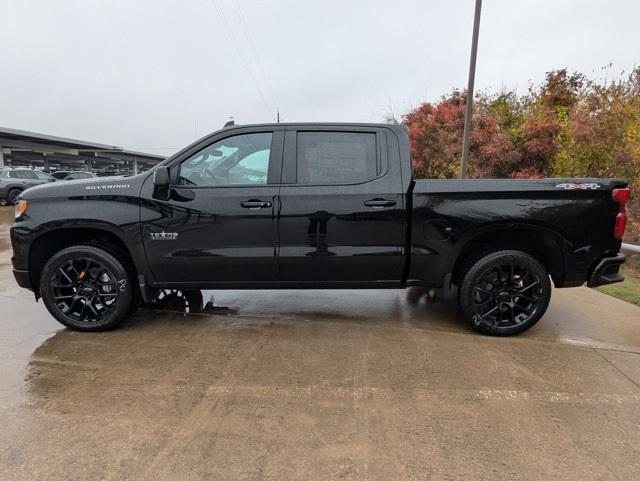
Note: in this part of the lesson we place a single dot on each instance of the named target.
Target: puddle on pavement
(412, 307)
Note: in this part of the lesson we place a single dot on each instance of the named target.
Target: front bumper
(606, 271)
(23, 278)
(21, 243)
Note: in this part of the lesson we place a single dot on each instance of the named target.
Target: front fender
(31, 230)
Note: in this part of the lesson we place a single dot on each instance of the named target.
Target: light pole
(472, 77)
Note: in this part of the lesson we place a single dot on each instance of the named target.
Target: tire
(12, 196)
(504, 293)
(86, 288)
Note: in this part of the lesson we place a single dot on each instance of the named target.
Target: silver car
(14, 181)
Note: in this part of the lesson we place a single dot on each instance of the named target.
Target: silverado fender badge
(107, 186)
(164, 235)
(573, 186)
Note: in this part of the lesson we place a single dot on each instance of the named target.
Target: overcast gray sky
(141, 73)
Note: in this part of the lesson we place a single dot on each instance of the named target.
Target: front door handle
(256, 204)
(379, 203)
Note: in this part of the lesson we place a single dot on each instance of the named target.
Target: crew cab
(314, 206)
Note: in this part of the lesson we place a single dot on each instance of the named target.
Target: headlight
(20, 208)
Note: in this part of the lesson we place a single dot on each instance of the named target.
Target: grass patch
(629, 290)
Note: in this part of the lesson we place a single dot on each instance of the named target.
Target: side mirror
(161, 183)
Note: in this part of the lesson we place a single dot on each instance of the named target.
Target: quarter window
(238, 160)
(336, 157)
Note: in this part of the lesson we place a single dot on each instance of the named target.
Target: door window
(238, 160)
(336, 157)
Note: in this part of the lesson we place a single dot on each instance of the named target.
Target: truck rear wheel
(86, 288)
(504, 293)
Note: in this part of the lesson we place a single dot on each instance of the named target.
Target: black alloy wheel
(86, 288)
(505, 293)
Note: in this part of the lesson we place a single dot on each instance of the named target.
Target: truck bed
(570, 221)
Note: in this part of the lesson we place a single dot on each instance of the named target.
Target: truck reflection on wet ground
(188, 302)
(387, 307)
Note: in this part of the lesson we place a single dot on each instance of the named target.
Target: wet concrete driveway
(319, 386)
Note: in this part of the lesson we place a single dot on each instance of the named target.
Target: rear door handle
(379, 203)
(256, 204)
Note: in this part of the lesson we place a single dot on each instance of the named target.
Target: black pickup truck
(313, 206)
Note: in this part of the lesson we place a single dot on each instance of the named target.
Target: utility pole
(278, 116)
(472, 77)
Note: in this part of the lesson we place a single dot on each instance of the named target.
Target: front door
(342, 215)
(220, 225)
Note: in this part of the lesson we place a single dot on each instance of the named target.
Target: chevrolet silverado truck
(314, 206)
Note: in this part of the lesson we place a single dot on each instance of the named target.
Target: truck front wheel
(504, 293)
(86, 288)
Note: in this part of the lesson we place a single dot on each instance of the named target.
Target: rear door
(342, 212)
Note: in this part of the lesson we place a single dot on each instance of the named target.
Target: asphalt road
(279, 385)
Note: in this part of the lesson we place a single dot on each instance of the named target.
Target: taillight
(621, 196)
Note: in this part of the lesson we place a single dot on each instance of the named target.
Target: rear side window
(336, 157)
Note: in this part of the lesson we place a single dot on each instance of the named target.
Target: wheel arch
(546, 245)
(54, 240)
